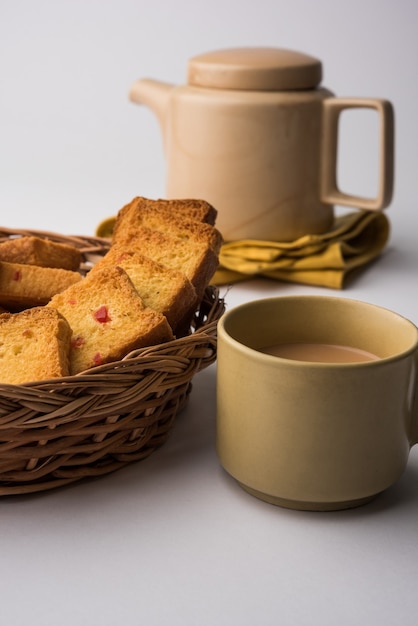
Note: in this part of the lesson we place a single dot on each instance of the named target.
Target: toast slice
(161, 288)
(195, 259)
(195, 209)
(34, 346)
(199, 210)
(108, 319)
(42, 252)
(166, 218)
(23, 286)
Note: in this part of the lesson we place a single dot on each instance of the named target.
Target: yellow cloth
(324, 260)
(105, 228)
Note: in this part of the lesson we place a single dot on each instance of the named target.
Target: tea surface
(319, 353)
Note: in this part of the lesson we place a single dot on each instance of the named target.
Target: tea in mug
(319, 353)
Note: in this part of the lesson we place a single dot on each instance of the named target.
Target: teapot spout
(153, 93)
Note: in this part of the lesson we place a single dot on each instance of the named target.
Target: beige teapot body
(253, 134)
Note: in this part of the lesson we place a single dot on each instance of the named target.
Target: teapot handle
(330, 194)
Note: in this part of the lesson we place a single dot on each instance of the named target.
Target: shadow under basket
(59, 431)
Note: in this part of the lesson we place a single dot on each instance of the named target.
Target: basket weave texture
(63, 430)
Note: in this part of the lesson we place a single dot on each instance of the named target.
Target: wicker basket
(59, 431)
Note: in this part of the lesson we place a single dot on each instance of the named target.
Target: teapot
(254, 134)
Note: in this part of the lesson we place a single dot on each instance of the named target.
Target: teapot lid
(260, 69)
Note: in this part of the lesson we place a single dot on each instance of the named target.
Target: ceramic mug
(309, 435)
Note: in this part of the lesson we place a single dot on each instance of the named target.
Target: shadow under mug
(308, 435)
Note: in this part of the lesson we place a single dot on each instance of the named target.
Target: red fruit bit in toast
(77, 342)
(72, 301)
(102, 315)
(97, 359)
(17, 275)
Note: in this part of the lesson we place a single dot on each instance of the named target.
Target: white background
(174, 540)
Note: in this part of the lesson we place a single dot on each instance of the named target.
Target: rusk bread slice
(195, 209)
(160, 216)
(34, 346)
(23, 286)
(43, 252)
(195, 259)
(161, 288)
(108, 319)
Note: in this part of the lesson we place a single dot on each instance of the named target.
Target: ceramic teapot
(254, 133)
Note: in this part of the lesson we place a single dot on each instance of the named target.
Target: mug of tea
(317, 404)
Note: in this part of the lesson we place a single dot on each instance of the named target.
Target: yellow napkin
(324, 260)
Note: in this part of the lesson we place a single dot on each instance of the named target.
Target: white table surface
(173, 540)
